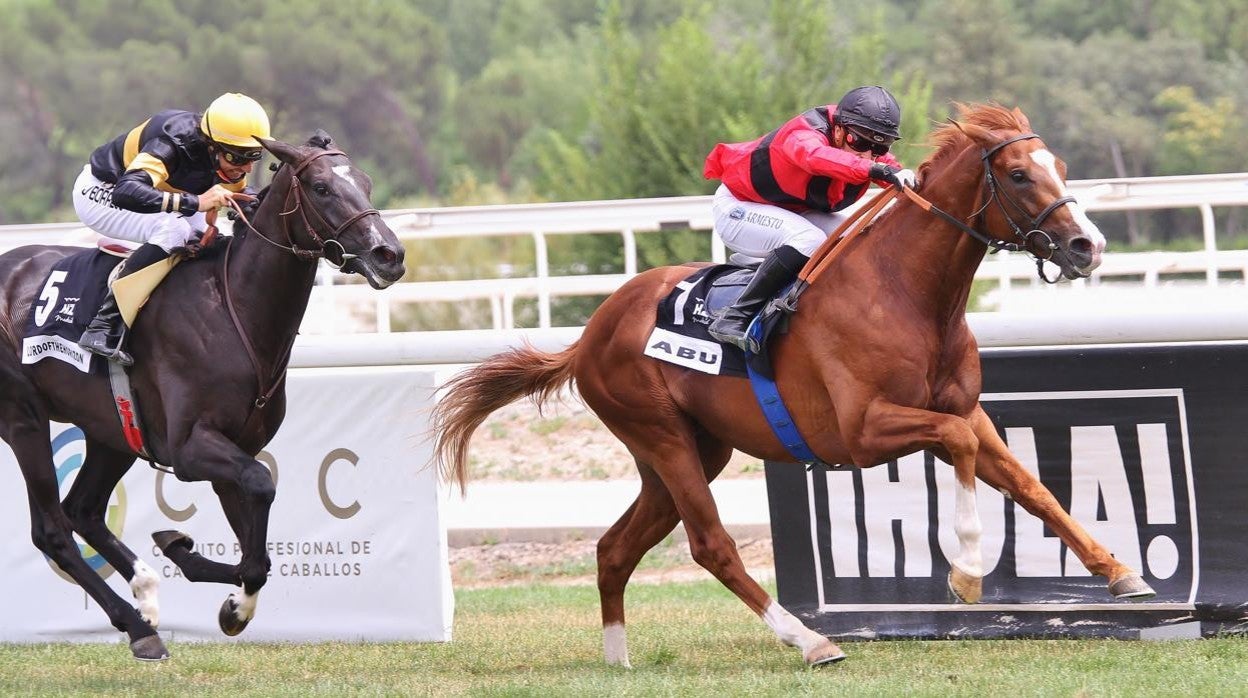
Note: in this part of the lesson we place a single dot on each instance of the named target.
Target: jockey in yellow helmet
(154, 183)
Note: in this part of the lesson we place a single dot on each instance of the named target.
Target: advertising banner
(1144, 445)
(356, 539)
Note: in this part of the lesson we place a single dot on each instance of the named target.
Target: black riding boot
(777, 270)
(106, 334)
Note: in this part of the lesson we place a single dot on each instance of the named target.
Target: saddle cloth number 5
(49, 296)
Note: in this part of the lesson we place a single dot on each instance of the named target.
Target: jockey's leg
(784, 239)
(778, 269)
(106, 334)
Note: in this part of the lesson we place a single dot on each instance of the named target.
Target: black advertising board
(1146, 445)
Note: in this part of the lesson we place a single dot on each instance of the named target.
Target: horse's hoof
(966, 588)
(1131, 587)
(149, 649)
(228, 618)
(165, 539)
(827, 653)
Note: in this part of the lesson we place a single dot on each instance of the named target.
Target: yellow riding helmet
(235, 119)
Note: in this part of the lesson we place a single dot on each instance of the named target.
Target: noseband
(296, 193)
(999, 195)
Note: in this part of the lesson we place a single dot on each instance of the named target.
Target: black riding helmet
(871, 107)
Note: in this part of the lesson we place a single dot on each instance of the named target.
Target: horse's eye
(320, 189)
(1018, 176)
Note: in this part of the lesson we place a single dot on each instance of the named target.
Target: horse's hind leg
(998, 467)
(86, 506)
(671, 448)
(650, 518)
(646, 522)
(24, 425)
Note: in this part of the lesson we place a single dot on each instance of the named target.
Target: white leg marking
(144, 585)
(246, 604)
(344, 171)
(615, 645)
(968, 528)
(790, 630)
(1046, 160)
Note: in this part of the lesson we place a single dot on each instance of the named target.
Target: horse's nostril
(385, 255)
(1082, 246)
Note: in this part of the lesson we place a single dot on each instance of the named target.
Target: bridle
(295, 194)
(1002, 197)
(270, 384)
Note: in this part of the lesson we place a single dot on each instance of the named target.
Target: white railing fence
(348, 307)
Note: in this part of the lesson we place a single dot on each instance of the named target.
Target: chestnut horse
(211, 347)
(879, 362)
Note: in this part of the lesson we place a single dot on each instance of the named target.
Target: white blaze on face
(344, 171)
(1047, 161)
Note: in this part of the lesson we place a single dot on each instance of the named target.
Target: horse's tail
(471, 396)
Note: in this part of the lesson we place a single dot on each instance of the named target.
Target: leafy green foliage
(488, 101)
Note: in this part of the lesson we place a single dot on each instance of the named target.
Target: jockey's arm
(138, 188)
(811, 152)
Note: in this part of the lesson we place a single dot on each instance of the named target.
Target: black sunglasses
(240, 157)
(862, 144)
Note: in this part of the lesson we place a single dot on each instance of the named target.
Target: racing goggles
(862, 142)
(240, 156)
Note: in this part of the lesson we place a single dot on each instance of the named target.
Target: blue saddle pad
(66, 303)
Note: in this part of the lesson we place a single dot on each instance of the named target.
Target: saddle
(66, 302)
(680, 335)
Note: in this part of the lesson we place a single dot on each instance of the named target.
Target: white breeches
(755, 229)
(93, 202)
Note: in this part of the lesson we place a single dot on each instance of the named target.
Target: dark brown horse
(878, 363)
(211, 348)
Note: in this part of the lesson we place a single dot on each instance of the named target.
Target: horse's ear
(1022, 119)
(285, 152)
(320, 139)
(975, 132)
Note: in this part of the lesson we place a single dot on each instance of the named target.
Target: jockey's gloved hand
(893, 175)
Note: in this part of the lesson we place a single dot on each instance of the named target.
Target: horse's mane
(948, 140)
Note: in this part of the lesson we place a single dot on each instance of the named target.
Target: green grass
(685, 639)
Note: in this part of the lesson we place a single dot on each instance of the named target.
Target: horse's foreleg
(998, 467)
(648, 520)
(889, 429)
(86, 506)
(208, 455)
(239, 607)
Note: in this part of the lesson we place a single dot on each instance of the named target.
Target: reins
(295, 193)
(274, 380)
(836, 242)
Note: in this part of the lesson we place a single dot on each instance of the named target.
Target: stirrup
(739, 339)
(101, 348)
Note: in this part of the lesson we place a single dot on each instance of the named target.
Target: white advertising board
(356, 537)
